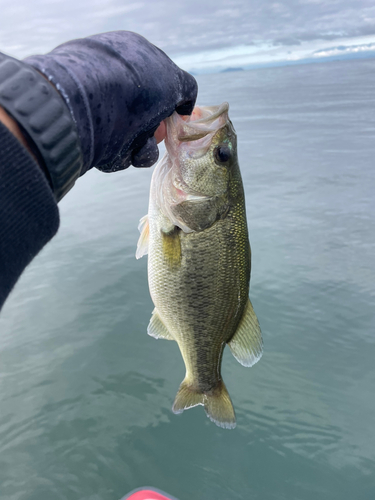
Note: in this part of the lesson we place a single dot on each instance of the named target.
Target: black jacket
(29, 216)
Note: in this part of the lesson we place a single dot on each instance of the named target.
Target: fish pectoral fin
(144, 229)
(217, 403)
(157, 329)
(172, 247)
(247, 343)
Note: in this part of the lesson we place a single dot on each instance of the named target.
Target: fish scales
(199, 259)
(198, 312)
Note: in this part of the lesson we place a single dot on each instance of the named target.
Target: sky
(201, 35)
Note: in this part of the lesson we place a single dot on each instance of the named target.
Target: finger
(147, 155)
(188, 93)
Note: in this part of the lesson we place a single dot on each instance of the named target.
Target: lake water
(86, 394)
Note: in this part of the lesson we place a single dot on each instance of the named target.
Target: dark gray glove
(118, 88)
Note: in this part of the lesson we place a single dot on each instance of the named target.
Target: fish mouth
(193, 134)
(207, 113)
(204, 120)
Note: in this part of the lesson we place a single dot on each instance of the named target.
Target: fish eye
(222, 153)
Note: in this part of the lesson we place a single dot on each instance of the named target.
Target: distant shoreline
(278, 64)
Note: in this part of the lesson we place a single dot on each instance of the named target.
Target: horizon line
(281, 63)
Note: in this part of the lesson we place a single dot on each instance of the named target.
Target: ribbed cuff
(29, 216)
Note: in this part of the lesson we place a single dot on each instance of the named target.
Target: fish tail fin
(217, 403)
(219, 407)
(187, 397)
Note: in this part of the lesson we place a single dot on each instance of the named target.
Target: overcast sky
(199, 34)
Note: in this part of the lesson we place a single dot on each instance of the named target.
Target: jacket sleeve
(29, 216)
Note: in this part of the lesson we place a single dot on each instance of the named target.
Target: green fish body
(199, 257)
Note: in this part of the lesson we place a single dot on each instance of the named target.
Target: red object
(148, 493)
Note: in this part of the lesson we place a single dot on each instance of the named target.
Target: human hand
(118, 88)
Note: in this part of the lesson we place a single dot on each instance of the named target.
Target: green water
(86, 395)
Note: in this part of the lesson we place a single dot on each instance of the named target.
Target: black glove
(118, 88)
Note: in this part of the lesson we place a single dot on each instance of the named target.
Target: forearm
(28, 211)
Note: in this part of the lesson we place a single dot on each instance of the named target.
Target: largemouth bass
(199, 257)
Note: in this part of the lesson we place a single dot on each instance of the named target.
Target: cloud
(286, 41)
(345, 50)
(262, 54)
(189, 27)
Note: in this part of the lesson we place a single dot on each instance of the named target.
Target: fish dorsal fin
(144, 229)
(157, 329)
(247, 344)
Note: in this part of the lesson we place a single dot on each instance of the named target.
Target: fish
(199, 257)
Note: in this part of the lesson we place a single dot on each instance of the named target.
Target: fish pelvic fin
(144, 229)
(247, 343)
(157, 329)
(217, 403)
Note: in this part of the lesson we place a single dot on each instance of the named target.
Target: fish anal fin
(144, 229)
(157, 329)
(217, 403)
(247, 343)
